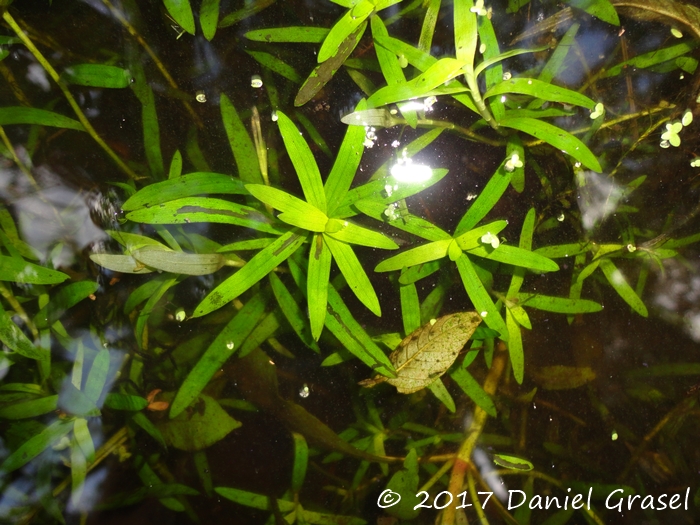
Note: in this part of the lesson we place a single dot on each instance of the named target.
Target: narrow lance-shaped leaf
(225, 344)
(304, 162)
(317, 283)
(348, 232)
(555, 136)
(428, 352)
(421, 254)
(291, 310)
(36, 445)
(241, 144)
(515, 347)
(473, 389)
(542, 90)
(487, 199)
(312, 35)
(97, 75)
(296, 211)
(263, 263)
(354, 274)
(480, 297)
(619, 283)
(12, 336)
(343, 28)
(323, 73)
(18, 270)
(40, 117)
(209, 17)
(181, 11)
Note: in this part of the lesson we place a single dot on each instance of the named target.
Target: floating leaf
(20, 271)
(428, 352)
(512, 462)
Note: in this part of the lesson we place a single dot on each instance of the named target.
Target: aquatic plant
(239, 263)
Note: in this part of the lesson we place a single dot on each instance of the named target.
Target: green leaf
(507, 254)
(83, 438)
(119, 263)
(480, 297)
(294, 210)
(619, 283)
(191, 184)
(353, 234)
(388, 61)
(226, 343)
(601, 9)
(561, 305)
(311, 35)
(515, 347)
(409, 223)
(651, 58)
(323, 73)
(512, 462)
(438, 389)
(353, 337)
(263, 263)
(241, 144)
(12, 336)
(345, 165)
(465, 32)
(97, 75)
(65, 298)
(473, 389)
(209, 17)
(354, 274)
(149, 124)
(276, 65)
(557, 137)
(405, 483)
(301, 459)
(31, 408)
(18, 270)
(428, 352)
(125, 402)
(542, 90)
(179, 262)
(344, 27)
(317, 284)
(292, 312)
(303, 161)
(256, 501)
(442, 71)
(203, 209)
(410, 308)
(35, 445)
(198, 429)
(472, 239)
(40, 117)
(181, 12)
(487, 199)
(414, 56)
(97, 377)
(175, 165)
(421, 254)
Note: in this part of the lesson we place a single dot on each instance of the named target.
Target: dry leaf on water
(428, 352)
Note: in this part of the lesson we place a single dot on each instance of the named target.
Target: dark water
(635, 424)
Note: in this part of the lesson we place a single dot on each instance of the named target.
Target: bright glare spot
(229, 345)
(479, 8)
(471, 196)
(405, 171)
(304, 391)
(388, 189)
(256, 81)
(395, 144)
(482, 48)
(484, 313)
(503, 98)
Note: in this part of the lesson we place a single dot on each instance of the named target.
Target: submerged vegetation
(405, 297)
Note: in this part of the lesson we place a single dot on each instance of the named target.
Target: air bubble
(230, 345)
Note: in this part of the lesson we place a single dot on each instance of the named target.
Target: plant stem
(7, 17)
(463, 459)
